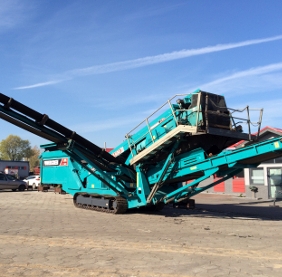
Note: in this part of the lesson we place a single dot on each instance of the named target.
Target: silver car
(11, 182)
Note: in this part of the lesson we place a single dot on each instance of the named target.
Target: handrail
(128, 137)
(173, 113)
(169, 100)
(247, 121)
(133, 141)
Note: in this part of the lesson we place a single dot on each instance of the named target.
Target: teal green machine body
(162, 160)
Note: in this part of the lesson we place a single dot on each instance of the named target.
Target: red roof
(263, 130)
(269, 128)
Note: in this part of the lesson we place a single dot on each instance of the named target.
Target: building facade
(267, 177)
(18, 168)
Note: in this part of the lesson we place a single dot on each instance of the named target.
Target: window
(240, 174)
(278, 160)
(275, 161)
(11, 177)
(256, 176)
(270, 161)
(274, 176)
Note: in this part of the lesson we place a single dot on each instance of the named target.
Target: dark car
(11, 182)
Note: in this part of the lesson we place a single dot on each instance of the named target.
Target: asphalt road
(43, 234)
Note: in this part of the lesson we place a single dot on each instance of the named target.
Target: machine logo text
(57, 162)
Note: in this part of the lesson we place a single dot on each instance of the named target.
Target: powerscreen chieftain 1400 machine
(162, 160)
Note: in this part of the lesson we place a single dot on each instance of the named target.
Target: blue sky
(101, 67)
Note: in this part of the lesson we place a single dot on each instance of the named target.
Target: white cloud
(41, 84)
(89, 127)
(118, 66)
(12, 13)
(131, 100)
(111, 67)
(247, 81)
(151, 11)
(114, 123)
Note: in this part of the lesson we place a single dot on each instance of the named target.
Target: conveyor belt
(41, 125)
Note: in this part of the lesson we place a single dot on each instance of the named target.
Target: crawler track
(118, 205)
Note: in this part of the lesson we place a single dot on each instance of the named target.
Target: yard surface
(43, 234)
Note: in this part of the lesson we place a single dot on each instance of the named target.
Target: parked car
(11, 182)
(32, 181)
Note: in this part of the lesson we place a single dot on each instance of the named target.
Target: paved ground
(42, 234)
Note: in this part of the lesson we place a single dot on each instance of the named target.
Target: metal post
(173, 112)
(249, 127)
(198, 110)
(148, 125)
(206, 112)
(260, 119)
(129, 145)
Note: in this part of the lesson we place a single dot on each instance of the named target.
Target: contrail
(124, 65)
(249, 72)
(42, 84)
(111, 67)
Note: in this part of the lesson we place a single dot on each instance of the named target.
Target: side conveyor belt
(41, 125)
(226, 165)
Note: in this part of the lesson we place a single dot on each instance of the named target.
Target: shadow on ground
(266, 212)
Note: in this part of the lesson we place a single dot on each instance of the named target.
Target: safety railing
(167, 112)
(235, 120)
(171, 112)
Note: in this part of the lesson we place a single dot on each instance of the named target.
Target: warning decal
(64, 161)
(118, 152)
(57, 162)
